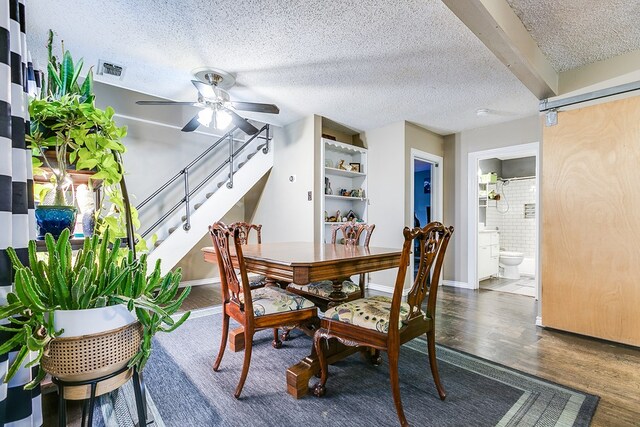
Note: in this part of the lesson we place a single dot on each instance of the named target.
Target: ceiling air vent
(110, 70)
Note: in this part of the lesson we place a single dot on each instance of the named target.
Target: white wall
(386, 176)
(283, 209)
(516, 132)
(517, 233)
(194, 268)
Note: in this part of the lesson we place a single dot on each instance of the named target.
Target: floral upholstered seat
(271, 299)
(324, 288)
(371, 313)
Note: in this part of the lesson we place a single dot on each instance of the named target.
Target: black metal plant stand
(138, 383)
(89, 404)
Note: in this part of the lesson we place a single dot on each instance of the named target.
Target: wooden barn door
(591, 222)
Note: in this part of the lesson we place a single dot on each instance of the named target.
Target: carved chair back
(352, 233)
(245, 229)
(432, 240)
(232, 287)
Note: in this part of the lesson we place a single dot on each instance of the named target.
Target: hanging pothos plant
(66, 121)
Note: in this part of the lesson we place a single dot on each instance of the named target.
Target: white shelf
(342, 172)
(343, 148)
(342, 222)
(331, 196)
(333, 153)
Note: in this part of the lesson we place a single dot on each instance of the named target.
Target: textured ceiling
(575, 33)
(365, 63)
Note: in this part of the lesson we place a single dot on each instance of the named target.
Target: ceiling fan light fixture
(223, 119)
(205, 116)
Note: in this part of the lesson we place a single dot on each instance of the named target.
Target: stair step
(172, 229)
(241, 164)
(221, 183)
(250, 156)
(260, 147)
(209, 194)
(184, 218)
(197, 205)
(158, 243)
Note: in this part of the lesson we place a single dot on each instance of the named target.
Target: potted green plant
(63, 295)
(68, 132)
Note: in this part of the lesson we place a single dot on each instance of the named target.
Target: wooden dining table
(302, 263)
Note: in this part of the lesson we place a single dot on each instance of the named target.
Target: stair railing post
(265, 150)
(187, 223)
(230, 183)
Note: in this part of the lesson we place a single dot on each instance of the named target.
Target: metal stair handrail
(184, 172)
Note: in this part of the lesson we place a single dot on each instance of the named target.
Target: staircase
(180, 227)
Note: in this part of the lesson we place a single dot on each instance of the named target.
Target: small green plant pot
(54, 219)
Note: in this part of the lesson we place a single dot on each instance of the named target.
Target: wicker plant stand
(89, 366)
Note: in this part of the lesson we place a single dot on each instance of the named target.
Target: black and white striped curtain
(18, 407)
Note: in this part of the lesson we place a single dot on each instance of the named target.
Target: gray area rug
(186, 392)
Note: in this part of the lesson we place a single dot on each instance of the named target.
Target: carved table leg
(270, 281)
(298, 375)
(337, 294)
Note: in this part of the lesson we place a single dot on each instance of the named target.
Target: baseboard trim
(197, 282)
(456, 284)
(539, 321)
(386, 289)
(206, 281)
(217, 309)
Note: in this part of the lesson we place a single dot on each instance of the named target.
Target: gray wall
(491, 165)
(516, 132)
(517, 168)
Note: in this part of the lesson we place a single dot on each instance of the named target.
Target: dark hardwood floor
(501, 327)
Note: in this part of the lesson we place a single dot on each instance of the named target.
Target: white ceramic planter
(92, 320)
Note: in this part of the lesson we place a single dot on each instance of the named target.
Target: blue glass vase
(54, 219)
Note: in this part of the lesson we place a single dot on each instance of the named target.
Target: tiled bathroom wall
(517, 233)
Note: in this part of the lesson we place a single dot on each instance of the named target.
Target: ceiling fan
(215, 104)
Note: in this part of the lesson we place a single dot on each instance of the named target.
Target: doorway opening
(426, 190)
(503, 203)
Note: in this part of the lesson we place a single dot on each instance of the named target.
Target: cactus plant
(95, 277)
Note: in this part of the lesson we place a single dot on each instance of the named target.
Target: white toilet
(509, 262)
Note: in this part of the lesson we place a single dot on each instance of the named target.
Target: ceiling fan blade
(204, 89)
(256, 106)
(192, 125)
(242, 123)
(163, 103)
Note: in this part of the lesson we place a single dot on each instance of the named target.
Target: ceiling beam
(500, 29)
(614, 71)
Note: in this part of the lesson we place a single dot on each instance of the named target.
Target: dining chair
(244, 236)
(352, 234)
(384, 323)
(268, 307)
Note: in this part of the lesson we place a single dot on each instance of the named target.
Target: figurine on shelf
(326, 216)
(351, 215)
(327, 186)
(341, 165)
(358, 193)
